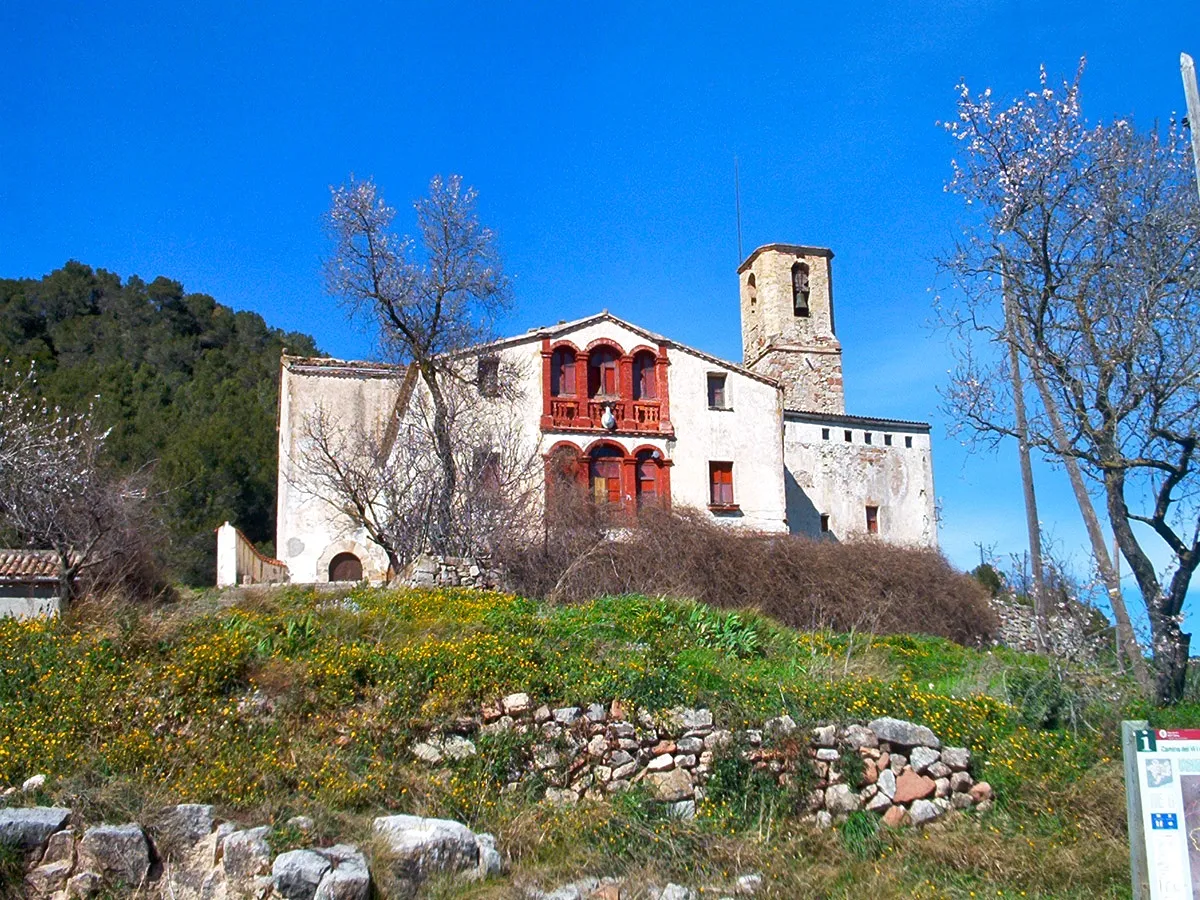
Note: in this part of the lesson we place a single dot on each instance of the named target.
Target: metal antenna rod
(737, 202)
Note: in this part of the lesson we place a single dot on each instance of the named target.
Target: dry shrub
(808, 584)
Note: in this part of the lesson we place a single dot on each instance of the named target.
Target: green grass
(295, 702)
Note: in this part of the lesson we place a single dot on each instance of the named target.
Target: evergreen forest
(187, 387)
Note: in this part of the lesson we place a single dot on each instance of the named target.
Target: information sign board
(1163, 776)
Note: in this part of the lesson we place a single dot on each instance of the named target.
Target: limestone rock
(427, 752)
(887, 783)
(960, 782)
(677, 892)
(859, 737)
(922, 758)
(246, 854)
(490, 861)
(923, 812)
(516, 704)
(941, 787)
(661, 763)
(828, 754)
(118, 853)
(957, 758)
(566, 715)
(841, 799)
(84, 884)
(59, 847)
(697, 718)
(27, 829)
(960, 801)
(178, 828)
(297, 873)
(47, 878)
(670, 787)
(748, 885)
(683, 809)
(825, 736)
(596, 713)
(690, 745)
(781, 725)
(911, 786)
(879, 803)
(906, 734)
(421, 846)
(33, 783)
(939, 770)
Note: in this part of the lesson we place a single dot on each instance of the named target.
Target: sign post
(1162, 791)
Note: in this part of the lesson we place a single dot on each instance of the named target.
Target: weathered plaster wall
(841, 478)
(28, 601)
(309, 532)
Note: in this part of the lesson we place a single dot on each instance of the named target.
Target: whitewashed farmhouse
(766, 444)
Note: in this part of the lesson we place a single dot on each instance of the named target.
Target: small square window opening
(887, 440)
(489, 376)
(824, 523)
(866, 437)
(908, 441)
(849, 435)
(720, 480)
(824, 434)
(872, 520)
(716, 391)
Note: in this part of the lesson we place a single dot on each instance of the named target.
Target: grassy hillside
(290, 701)
(188, 387)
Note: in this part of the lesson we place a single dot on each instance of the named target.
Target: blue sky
(199, 141)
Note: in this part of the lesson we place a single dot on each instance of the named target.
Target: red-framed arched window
(562, 372)
(603, 380)
(604, 474)
(645, 381)
(649, 480)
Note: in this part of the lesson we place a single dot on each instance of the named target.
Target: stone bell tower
(787, 324)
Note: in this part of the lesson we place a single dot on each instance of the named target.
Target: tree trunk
(443, 501)
(1108, 574)
(1169, 641)
(1032, 523)
(67, 570)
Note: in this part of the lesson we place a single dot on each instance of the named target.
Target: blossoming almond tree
(1082, 255)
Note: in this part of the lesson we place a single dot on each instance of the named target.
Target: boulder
(691, 745)
(84, 884)
(879, 803)
(178, 828)
(27, 829)
(661, 763)
(297, 874)
(670, 787)
(906, 734)
(748, 885)
(911, 786)
(825, 736)
(677, 892)
(939, 770)
(960, 782)
(33, 783)
(421, 846)
(246, 854)
(596, 713)
(118, 853)
(693, 719)
(779, 726)
(59, 847)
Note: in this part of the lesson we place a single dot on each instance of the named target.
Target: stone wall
(451, 571)
(1075, 631)
(590, 753)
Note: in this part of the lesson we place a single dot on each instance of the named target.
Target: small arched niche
(345, 567)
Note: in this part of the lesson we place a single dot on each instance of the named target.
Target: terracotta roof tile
(28, 565)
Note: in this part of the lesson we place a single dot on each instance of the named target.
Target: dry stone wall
(590, 753)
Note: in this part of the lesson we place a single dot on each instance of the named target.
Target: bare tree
(388, 479)
(1094, 233)
(55, 493)
(429, 302)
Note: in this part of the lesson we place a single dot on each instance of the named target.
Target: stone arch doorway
(345, 567)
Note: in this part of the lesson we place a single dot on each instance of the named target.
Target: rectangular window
(849, 435)
(887, 440)
(716, 391)
(824, 434)
(908, 442)
(872, 520)
(720, 479)
(866, 437)
(489, 376)
(824, 523)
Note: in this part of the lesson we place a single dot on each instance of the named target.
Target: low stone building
(640, 418)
